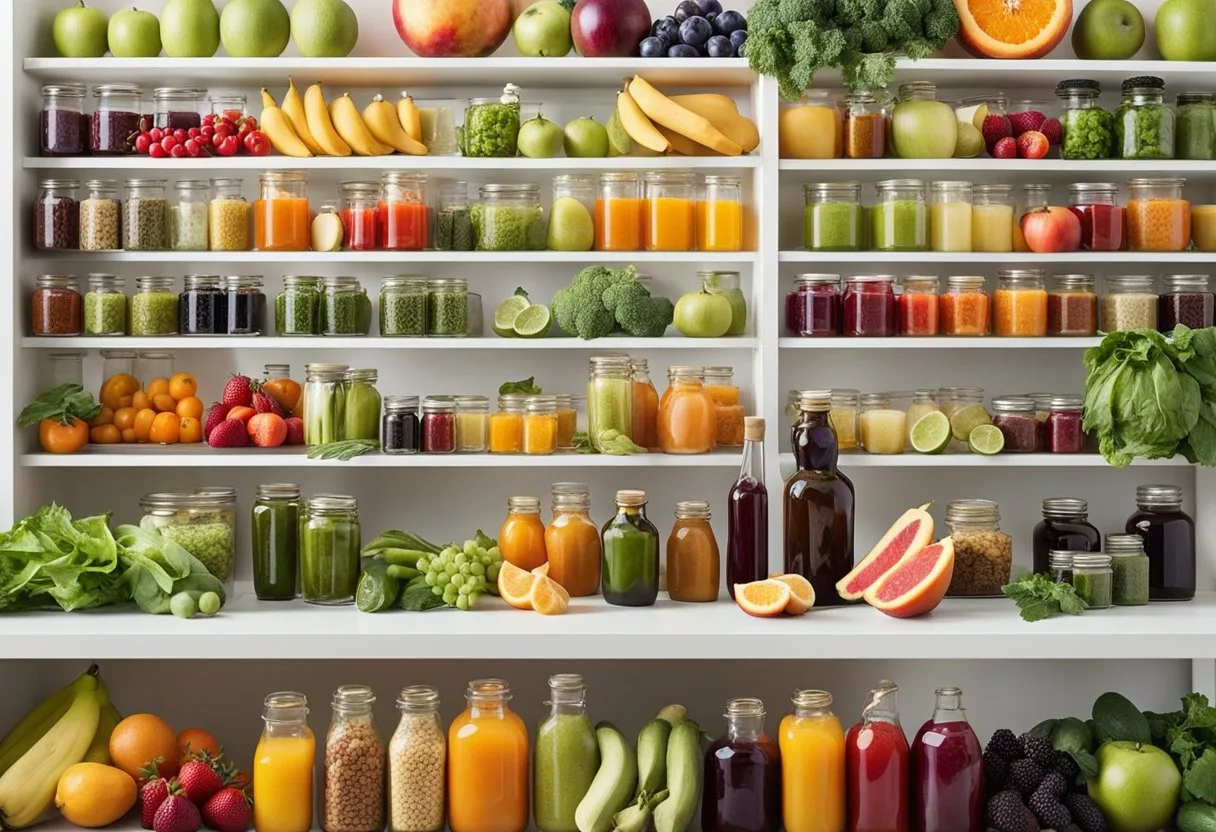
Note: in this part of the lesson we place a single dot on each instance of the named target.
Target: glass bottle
(818, 503)
(669, 218)
(280, 214)
(812, 765)
(812, 307)
(276, 548)
(950, 216)
(898, 221)
(189, 215)
(400, 427)
(919, 125)
(631, 554)
(831, 216)
(403, 211)
(567, 755)
(720, 215)
(610, 399)
(1065, 527)
(359, 207)
(747, 513)
(488, 743)
(687, 413)
(330, 540)
(116, 119)
(101, 216)
(992, 218)
(918, 306)
(361, 414)
(742, 791)
(352, 784)
(521, 539)
(618, 212)
(572, 541)
(692, 554)
(1129, 569)
(1169, 541)
(283, 766)
(1144, 122)
(417, 762)
(1088, 129)
(145, 216)
(1033, 195)
(324, 403)
(865, 131)
(62, 125)
(1096, 205)
(1185, 299)
(876, 756)
(947, 770)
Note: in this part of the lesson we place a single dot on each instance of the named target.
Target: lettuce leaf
(49, 560)
(157, 568)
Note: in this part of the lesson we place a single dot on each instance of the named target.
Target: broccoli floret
(623, 292)
(593, 320)
(646, 317)
(593, 280)
(563, 310)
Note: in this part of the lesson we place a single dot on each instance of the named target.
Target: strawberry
(995, 128)
(238, 391)
(229, 433)
(1006, 148)
(1033, 145)
(217, 414)
(151, 796)
(1026, 121)
(295, 431)
(227, 811)
(263, 403)
(1053, 130)
(199, 781)
(177, 813)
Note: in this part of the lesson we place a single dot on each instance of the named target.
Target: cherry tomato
(181, 135)
(209, 120)
(207, 132)
(156, 134)
(194, 132)
(158, 152)
(142, 143)
(194, 148)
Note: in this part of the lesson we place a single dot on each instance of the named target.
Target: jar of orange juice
(283, 766)
(645, 423)
(811, 127)
(719, 383)
(521, 540)
(1158, 218)
(693, 561)
(688, 422)
(280, 216)
(670, 213)
(618, 212)
(720, 215)
(488, 763)
(572, 540)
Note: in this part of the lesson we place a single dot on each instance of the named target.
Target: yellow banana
(320, 124)
(268, 99)
(381, 120)
(683, 145)
(99, 749)
(350, 126)
(27, 790)
(409, 117)
(277, 127)
(679, 119)
(639, 128)
(293, 107)
(36, 723)
(723, 113)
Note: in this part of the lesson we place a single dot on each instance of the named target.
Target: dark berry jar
(1184, 299)
(1063, 431)
(1065, 527)
(57, 216)
(116, 119)
(201, 307)
(1014, 417)
(438, 425)
(58, 308)
(400, 428)
(62, 124)
(812, 307)
(1169, 541)
(869, 306)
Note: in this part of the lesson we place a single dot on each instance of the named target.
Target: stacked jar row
(1021, 306)
(440, 307)
(523, 424)
(1143, 126)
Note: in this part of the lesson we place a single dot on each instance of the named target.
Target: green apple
(1185, 31)
(703, 315)
(255, 28)
(324, 28)
(80, 32)
(1136, 788)
(190, 28)
(1108, 30)
(543, 31)
(586, 138)
(134, 34)
(539, 138)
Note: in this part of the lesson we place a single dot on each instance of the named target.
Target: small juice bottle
(947, 770)
(812, 765)
(283, 766)
(876, 753)
(488, 763)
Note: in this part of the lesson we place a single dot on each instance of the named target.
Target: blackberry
(1049, 810)
(1085, 813)
(1054, 784)
(996, 771)
(1005, 744)
(1038, 749)
(1067, 766)
(1006, 812)
(1025, 776)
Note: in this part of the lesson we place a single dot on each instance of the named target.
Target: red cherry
(168, 143)
(194, 133)
(181, 135)
(179, 151)
(206, 132)
(209, 119)
(142, 143)
(227, 146)
(194, 148)
(156, 134)
(225, 128)
(158, 151)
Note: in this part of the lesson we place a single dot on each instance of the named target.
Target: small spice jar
(105, 306)
(1158, 217)
(843, 417)
(983, 554)
(57, 215)
(1129, 303)
(345, 307)
(177, 108)
(1072, 305)
(438, 425)
(189, 215)
(62, 125)
(297, 308)
(246, 302)
(965, 308)
(231, 107)
(153, 308)
(1195, 136)
(352, 781)
(1063, 430)
(540, 425)
(618, 212)
(417, 756)
(447, 307)
(1019, 304)
(202, 309)
(453, 222)
(472, 424)
(1144, 122)
(101, 217)
(992, 218)
(868, 306)
(116, 119)
(950, 216)
(507, 425)
(1014, 417)
(275, 521)
(1129, 569)
(898, 218)
(720, 214)
(1088, 129)
(1059, 566)
(1096, 205)
(509, 217)
(831, 216)
(359, 208)
(1092, 579)
(865, 128)
(403, 306)
(403, 211)
(330, 540)
(400, 427)
(145, 220)
(1185, 299)
(57, 306)
(918, 306)
(812, 307)
(227, 216)
(668, 223)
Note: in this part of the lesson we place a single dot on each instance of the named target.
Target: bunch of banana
(310, 126)
(692, 125)
(60, 732)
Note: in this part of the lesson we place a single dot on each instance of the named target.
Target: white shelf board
(939, 343)
(930, 258)
(911, 459)
(396, 161)
(986, 164)
(404, 257)
(270, 342)
(1042, 74)
(592, 629)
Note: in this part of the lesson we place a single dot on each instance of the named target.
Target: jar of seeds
(345, 307)
(154, 307)
(417, 755)
(228, 216)
(57, 215)
(403, 306)
(188, 216)
(105, 306)
(145, 221)
(453, 223)
(352, 785)
(983, 554)
(297, 308)
(447, 307)
(101, 217)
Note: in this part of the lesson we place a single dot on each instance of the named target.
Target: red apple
(453, 28)
(609, 28)
(1051, 229)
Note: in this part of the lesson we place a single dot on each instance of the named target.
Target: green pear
(324, 28)
(190, 29)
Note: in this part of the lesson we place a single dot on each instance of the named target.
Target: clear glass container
(202, 523)
(566, 756)
(116, 119)
(403, 302)
(1032, 197)
(404, 211)
(1144, 122)
(521, 538)
(669, 214)
(509, 218)
(275, 522)
(177, 108)
(719, 383)
(1059, 566)
(324, 403)
(1169, 541)
(950, 216)
(876, 765)
(488, 743)
(401, 426)
(438, 425)
(922, 403)
(56, 306)
(831, 216)
(1072, 306)
(609, 399)
(1088, 129)
(645, 424)
(983, 554)
(630, 567)
(812, 764)
(352, 781)
(65, 368)
(869, 306)
(727, 284)
(1096, 205)
(359, 208)
(507, 425)
(202, 307)
(246, 301)
(280, 214)
(882, 428)
(898, 218)
(362, 405)
(687, 413)
(618, 212)
(153, 307)
(145, 216)
(540, 425)
(447, 307)
(965, 308)
(283, 765)
(918, 306)
(228, 106)
(345, 308)
(153, 365)
(992, 218)
(571, 418)
(453, 221)
(865, 130)
(63, 127)
(742, 773)
(720, 214)
(438, 130)
(297, 308)
(228, 216)
(812, 307)
(57, 215)
(330, 540)
(472, 424)
(1014, 416)
(491, 125)
(1129, 303)
(1185, 299)
(1019, 304)
(572, 541)
(921, 126)
(947, 769)
(1195, 133)
(843, 416)
(101, 216)
(417, 757)
(1129, 570)
(120, 362)
(1063, 431)
(1092, 578)
(810, 127)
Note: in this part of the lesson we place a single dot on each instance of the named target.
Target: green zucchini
(403, 557)
(613, 784)
(683, 779)
(1196, 816)
(652, 756)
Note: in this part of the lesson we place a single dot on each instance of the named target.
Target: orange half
(548, 597)
(515, 585)
(763, 599)
(1015, 29)
(802, 594)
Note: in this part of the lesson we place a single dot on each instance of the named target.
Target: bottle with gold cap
(747, 513)
(631, 554)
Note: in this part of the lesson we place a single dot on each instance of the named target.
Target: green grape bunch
(462, 575)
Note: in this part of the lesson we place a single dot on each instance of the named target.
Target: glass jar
(488, 743)
(417, 757)
(275, 522)
(404, 220)
(1072, 305)
(812, 307)
(1019, 304)
(950, 216)
(359, 208)
(1033, 196)
(983, 554)
(330, 541)
(1065, 526)
(564, 234)
(1014, 417)
(1088, 130)
(154, 306)
(145, 216)
(644, 429)
(831, 216)
(810, 127)
(1092, 578)
(898, 221)
(202, 307)
(324, 403)
(1129, 303)
(719, 383)
(101, 217)
(177, 108)
(345, 308)
(1169, 541)
(283, 765)
(105, 306)
(669, 220)
(687, 413)
(403, 302)
(438, 425)
(491, 125)
(727, 284)
(865, 128)
(918, 306)
(693, 561)
(618, 212)
(1096, 205)
(65, 368)
(720, 214)
(230, 107)
(453, 222)
(952, 399)
(62, 124)
(923, 402)
(120, 362)
(362, 406)
(400, 427)
(297, 308)
(116, 119)
(352, 782)
(521, 538)
(447, 307)
(1129, 568)
(842, 416)
(201, 522)
(57, 215)
(540, 425)
(921, 126)
(869, 306)
(472, 424)
(509, 218)
(572, 541)
(964, 309)
(188, 216)
(507, 425)
(1185, 299)
(881, 428)
(609, 399)
(571, 418)
(1144, 122)
(246, 301)
(992, 218)
(280, 214)
(1059, 567)
(57, 307)
(631, 554)
(1195, 134)
(228, 216)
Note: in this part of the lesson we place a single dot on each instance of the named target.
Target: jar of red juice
(869, 306)
(1096, 205)
(403, 211)
(1072, 305)
(812, 307)
(1184, 299)
(876, 765)
(918, 306)
(360, 212)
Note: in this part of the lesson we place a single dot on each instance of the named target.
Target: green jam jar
(330, 540)
(297, 309)
(899, 221)
(403, 307)
(1092, 578)
(831, 216)
(362, 414)
(491, 125)
(105, 306)
(447, 307)
(276, 542)
(1088, 130)
(1195, 134)
(345, 307)
(1144, 123)
(1129, 569)
(509, 218)
(154, 307)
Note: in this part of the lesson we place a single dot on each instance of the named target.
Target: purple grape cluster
(698, 29)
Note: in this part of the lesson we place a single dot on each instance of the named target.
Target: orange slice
(543, 569)
(763, 599)
(548, 597)
(515, 585)
(802, 594)
(1012, 28)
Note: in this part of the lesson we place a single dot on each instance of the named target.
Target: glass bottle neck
(949, 708)
(883, 706)
(814, 442)
(753, 460)
(745, 726)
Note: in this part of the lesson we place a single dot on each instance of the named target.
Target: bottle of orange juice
(283, 766)
(812, 765)
(487, 763)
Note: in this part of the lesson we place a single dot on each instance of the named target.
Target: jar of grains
(188, 216)
(345, 307)
(63, 126)
(105, 306)
(145, 221)
(1096, 205)
(101, 216)
(453, 225)
(246, 303)
(1072, 305)
(417, 758)
(1144, 122)
(297, 309)
(447, 307)
(403, 306)
(1088, 129)
(831, 216)
(1158, 217)
(228, 216)
(1014, 417)
(57, 306)
(57, 215)
(1129, 303)
(983, 554)
(154, 307)
(865, 127)
(1185, 299)
(352, 785)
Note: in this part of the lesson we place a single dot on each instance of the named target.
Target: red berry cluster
(225, 135)
(1029, 134)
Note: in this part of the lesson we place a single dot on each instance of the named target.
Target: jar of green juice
(330, 540)
(831, 216)
(898, 218)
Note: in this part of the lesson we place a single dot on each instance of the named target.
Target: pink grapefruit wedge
(917, 584)
(910, 533)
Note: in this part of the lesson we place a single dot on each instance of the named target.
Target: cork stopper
(753, 428)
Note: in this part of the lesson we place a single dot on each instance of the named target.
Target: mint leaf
(1200, 777)
(420, 598)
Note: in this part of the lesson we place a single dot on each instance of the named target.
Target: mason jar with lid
(1185, 299)
(453, 223)
(983, 554)
(177, 108)
(540, 425)
(105, 306)
(868, 306)
(1033, 196)
(618, 212)
(1014, 417)
(1088, 129)
(1096, 205)
(1059, 565)
(101, 216)
(201, 522)
(63, 126)
(57, 215)
(509, 218)
(812, 307)
(1158, 216)
(280, 214)
(297, 307)
(1065, 526)
(1019, 304)
(609, 398)
(921, 126)
(1129, 569)
(727, 284)
(1092, 578)
(438, 425)
(918, 306)
(330, 541)
(720, 214)
(447, 307)
(403, 306)
(202, 308)
(246, 304)
(669, 222)
(472, 424)
(228, 216)
(359, 208)
(324, 398)
(1169, 541)
(865, 129)
(1072, 306)
(153, 307)
(831, 216)
(898, 218)
(1129, 303)
(1144, 122)
(992, 218)
(345, 307)
(404, 212)
(57, 307)
(950, 216)
(188, 216)
(491, 125)
(116, 119)
(400, 426)
(145, 221)
(507, 425)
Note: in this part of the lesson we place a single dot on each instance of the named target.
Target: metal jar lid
(1062, 507)
(1163, 496)
(1124, 545)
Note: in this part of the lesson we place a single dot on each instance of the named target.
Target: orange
(543, 569)
(166, 429)
(1024, 29)
(191, 406)
(548, 597)
(126, 401)
(194, 741)
(105, 417)
(802, 594)
(143, 424)
(164, 403)
(94, 795)
(182, 386)
(141, 400)
(142, 739)
(129, 437)
(115, 387)
(105, 435)
(58, 438)
(763, 599)
(285, 391)
(191, 431)
(515, 585)
(124, 418)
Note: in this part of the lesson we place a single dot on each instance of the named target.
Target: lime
(506, 313)
(931, 433)
(987, 440)
(533, 322)
(967, 419)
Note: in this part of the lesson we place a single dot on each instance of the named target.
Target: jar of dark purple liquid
(1184, 299)
(812, 308)
(178, 108)
(62, 126)
(116, 120)
(869, 306)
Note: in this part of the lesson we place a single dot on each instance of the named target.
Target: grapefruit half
(917, 584)
(910, 533)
